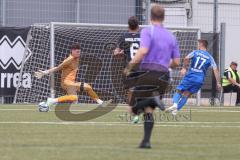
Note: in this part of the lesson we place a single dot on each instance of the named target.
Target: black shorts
(230, 88)
(146, 84)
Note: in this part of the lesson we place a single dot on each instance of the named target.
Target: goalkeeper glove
(39, 74)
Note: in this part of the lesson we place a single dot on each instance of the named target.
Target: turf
(211, 134)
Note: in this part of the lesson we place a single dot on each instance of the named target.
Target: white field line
(203, 124)
(122, 106)
(17, 109)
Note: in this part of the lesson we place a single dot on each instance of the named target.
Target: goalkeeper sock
(67, 98)
(182, 102)
(148, 126)
(176, 97)
(92, 94)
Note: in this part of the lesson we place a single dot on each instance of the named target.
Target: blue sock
(176, 97)
(182, 102)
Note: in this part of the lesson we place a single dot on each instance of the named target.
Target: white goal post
(50, 45)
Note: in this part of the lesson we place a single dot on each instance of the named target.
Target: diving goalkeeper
(69, 68)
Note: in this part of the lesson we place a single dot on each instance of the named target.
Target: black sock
(148, 126)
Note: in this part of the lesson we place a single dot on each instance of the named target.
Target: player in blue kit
(201, 60)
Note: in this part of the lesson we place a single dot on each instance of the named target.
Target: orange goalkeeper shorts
(72, 87)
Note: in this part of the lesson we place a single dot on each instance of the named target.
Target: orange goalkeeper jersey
(69, 69)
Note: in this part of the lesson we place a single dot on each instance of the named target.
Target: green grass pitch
(213, 133)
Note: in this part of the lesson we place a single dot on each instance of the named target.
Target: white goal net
(50, 45)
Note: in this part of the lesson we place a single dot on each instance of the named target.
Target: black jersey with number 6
(130, 43)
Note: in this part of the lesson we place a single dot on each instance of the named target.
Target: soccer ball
(43, 107)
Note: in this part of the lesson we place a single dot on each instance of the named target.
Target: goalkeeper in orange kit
(69, 68)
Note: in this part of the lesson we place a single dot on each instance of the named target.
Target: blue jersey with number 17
(200, 62)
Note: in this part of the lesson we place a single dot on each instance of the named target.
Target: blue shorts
(190, 86)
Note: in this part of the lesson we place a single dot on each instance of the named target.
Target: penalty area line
(166, 124)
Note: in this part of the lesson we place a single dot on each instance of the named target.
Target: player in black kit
(129, 42)
(127, 46)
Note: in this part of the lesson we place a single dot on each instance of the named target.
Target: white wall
(232, 52)
(175, 17)
(202, 11)
(229, 13)
(28, 12)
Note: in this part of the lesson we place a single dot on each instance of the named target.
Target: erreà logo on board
(12, 54)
